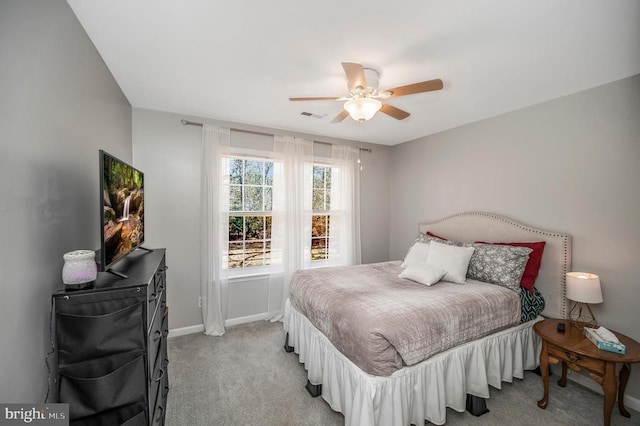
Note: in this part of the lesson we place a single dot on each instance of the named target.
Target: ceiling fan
(363, 100)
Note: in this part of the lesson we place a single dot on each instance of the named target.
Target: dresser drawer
(593, 365)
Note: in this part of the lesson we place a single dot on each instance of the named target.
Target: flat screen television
(121, 209)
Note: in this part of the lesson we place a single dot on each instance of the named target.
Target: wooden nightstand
(575, 351)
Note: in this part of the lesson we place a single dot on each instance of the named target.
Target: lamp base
(582, 319)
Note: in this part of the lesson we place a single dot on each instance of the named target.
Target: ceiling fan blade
(394, 112)
(343, 114)
(410, 89)
(316, 98)
(355, 75)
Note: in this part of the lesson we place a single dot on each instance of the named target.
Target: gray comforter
(382, 322)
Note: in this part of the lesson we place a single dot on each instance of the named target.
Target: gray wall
(59, 104)
(571, 165)
(169, 154)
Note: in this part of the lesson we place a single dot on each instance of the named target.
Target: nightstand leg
(609, 388)
(544, 368)
(563, 380)
(624, 378)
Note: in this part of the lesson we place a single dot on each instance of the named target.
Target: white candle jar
(79, 267)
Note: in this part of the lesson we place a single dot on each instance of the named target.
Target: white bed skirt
(417, 393)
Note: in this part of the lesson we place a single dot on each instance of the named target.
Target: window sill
(242, 276)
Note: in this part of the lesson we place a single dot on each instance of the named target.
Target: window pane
(268, 173)
(318, 248)
(267, 229)
(235, 170)
(327, 201)
(318, 177)
(327, 177)
(254, 227)
(235, 198)
(253, 199)
(250, 190)
(254, 254)
(267, 253)
(268, 199)
(236, 255)
(319, 226)
(253, 172)
(235, 228)
(318, 199)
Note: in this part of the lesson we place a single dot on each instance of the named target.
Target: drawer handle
(573, 357)
(161, 375)
(157, 335)
(153, 298)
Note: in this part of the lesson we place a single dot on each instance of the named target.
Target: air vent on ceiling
(313, 114)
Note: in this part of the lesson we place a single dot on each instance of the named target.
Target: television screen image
(122, 208)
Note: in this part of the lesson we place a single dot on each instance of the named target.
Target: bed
(417, 390)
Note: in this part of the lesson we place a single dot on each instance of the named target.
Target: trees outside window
(320, 221)
(250, 206)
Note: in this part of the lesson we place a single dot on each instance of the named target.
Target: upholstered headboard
(482, 226)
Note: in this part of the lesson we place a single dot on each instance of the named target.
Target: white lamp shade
(584, 287)
(362, 109)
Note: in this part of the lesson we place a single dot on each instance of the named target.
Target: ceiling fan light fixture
(362, 109)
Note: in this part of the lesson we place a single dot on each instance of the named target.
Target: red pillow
(533, 264)
(431, 234)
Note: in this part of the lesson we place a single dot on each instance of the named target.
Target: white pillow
(423, 273)
(418, 253)
(453, 259)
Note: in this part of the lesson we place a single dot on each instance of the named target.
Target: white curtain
(292, 211)
(344, 229)
(214, 221)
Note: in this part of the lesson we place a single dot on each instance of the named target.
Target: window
(250, 212)
(250, 206)
(320, 220)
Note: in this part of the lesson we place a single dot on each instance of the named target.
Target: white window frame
(244, 271)
(321, 263)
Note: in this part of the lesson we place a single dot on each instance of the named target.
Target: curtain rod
(252, 132)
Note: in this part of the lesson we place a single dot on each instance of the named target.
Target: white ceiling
(240, 61)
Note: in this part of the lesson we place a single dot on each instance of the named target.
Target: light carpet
(246, 378)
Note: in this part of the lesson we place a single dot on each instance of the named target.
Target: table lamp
(583, 289)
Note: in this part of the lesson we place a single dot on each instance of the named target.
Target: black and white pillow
(498, 264)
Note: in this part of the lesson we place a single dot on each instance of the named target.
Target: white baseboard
(249, 318)
(228, 323)
(629, 401)
(186, 330)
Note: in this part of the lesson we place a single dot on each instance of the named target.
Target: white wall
(59, 105)
(571, 165)
(169, 155)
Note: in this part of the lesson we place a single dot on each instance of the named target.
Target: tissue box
(616, 347)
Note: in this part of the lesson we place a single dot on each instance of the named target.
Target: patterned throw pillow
(428, 237)
(532, 304)
(498, 264)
